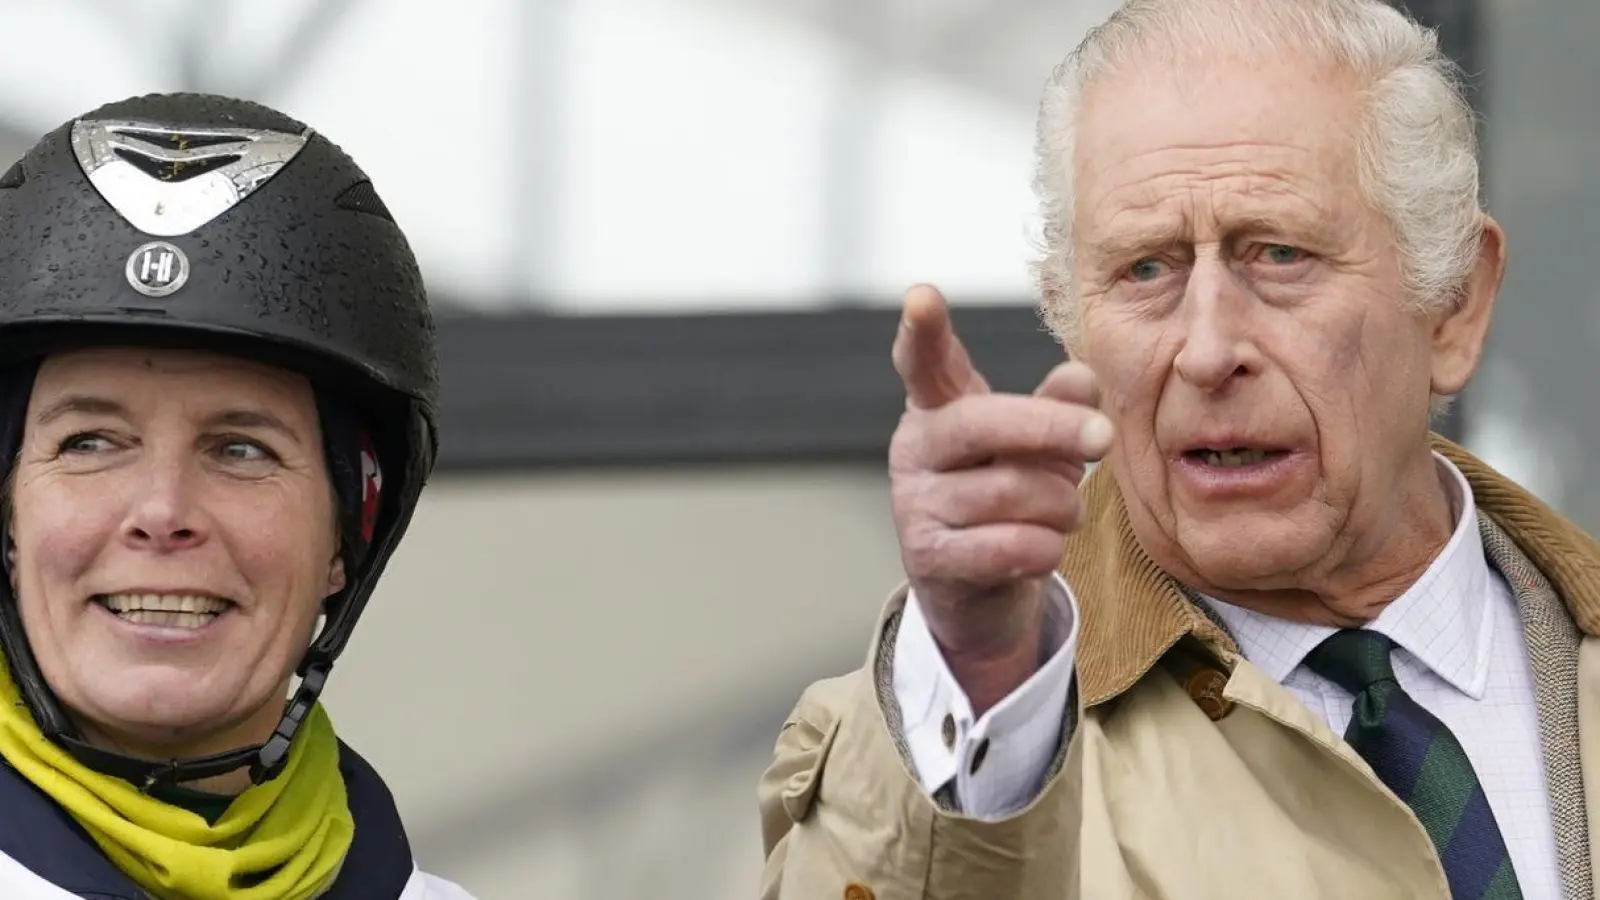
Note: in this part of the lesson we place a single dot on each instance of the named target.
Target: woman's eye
(244, 451)
(87, 442)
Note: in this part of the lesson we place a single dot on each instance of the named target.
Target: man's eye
(1282, 254)
(1147, 270)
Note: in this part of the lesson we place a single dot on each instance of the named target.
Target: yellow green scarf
(282, 840)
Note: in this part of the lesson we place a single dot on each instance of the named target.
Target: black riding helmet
(206, 222)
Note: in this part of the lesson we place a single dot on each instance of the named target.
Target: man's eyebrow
(1134, 240)
(1299, 228)
(1314, 230)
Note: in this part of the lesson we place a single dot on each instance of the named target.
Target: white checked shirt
(1460, 654)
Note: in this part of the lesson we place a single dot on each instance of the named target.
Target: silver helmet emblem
(170, 181)
(157, 269)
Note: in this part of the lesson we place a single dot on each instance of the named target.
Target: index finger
(933, 363)
(976, 430)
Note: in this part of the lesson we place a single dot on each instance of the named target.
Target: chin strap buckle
(161, 773)
(270, 760)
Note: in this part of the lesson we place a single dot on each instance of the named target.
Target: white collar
(1442, 619)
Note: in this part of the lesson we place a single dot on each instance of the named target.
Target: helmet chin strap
(265, 761)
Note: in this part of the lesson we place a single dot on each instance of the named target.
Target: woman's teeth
(165, 610)
(167, 619)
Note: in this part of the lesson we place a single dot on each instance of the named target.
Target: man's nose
(1217, 341)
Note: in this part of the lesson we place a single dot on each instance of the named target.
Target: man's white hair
(1417, 152)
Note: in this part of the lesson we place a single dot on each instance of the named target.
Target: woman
(217, 390)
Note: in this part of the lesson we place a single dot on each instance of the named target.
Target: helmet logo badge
(157, 269)
(168, 180)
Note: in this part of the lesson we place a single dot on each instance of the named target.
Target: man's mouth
(164, 610)
(1231, 457)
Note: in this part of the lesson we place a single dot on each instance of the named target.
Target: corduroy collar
(1133, 612)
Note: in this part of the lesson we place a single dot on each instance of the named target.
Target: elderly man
(1295, 647)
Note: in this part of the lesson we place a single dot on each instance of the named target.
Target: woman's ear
(336, 575)
(9, 538)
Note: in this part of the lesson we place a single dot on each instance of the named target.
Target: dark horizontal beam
(529, 391)
(534, 390)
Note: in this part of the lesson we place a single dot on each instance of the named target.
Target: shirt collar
(1442, 619)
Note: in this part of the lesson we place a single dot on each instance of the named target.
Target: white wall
(571, 681)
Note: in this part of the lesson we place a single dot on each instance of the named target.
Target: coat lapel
(1553, 641)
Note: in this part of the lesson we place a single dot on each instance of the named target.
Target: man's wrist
(990, 666)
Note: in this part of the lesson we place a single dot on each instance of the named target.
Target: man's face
(1243, 309)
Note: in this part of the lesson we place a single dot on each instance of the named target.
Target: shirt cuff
(997, 761)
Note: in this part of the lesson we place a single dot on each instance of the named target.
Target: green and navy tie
(1422, 762)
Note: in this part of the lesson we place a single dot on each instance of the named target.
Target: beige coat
(1188, 772)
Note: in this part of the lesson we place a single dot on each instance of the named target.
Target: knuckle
(1071, 374)
(1071, 508)
(1043, 552)
(1017, 486)
(908, 494)
(1069, 380)
(1066, 424)
(920, 545)
(1048, 431)
(1056, 513)
(960, 427)
(907, 442)
(965, 499)
(1024, 560)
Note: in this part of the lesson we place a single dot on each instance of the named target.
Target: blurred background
(666, 239)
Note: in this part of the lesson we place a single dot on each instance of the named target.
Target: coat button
(857, 892)
(947, 731)
(1205, 689)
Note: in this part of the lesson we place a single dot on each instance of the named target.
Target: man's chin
(1261, 552)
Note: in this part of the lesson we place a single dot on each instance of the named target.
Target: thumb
(932, 362)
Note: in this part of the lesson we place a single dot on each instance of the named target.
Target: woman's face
(174, 538)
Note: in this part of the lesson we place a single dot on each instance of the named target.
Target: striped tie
(1422, 762)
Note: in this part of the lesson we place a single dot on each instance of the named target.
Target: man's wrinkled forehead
(1287, 124)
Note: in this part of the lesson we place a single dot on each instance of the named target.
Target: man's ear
(1459, 333)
